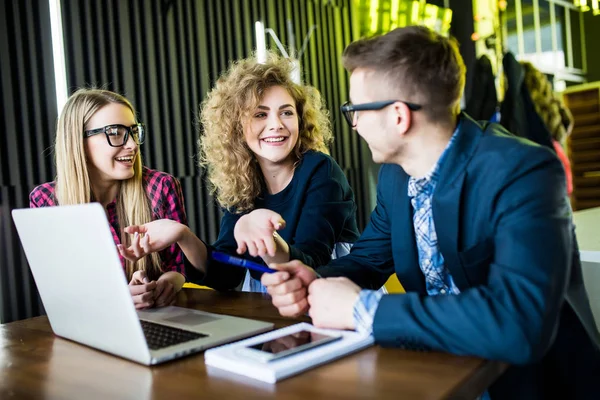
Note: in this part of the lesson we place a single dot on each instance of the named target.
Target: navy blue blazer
(504, 228)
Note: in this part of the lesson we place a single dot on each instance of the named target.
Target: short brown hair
(423, 66)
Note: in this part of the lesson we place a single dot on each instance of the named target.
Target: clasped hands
(146, 293)
(295, 290)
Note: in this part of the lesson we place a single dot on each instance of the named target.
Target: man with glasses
(475, 223)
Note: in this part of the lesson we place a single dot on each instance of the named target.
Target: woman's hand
(254, 232)
(165, 293)
(142, 290)
(167, 287)
(151, 237)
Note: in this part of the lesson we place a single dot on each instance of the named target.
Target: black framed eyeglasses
(349, 110)
(117, 135)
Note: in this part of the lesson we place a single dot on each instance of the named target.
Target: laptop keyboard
(160, 336)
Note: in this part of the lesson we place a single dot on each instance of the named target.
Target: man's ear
(402, 117)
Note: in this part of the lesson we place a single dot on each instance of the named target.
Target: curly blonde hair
(556, 116)
(233, 172)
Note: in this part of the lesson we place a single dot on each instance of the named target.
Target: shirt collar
(419, 185)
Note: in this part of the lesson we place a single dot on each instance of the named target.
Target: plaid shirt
(437, 277)
(166, 200)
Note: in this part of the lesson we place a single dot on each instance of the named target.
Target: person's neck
(277, 176)
(425, 149)
(105, 192)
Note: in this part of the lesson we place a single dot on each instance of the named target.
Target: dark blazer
(483, 100)
(504, 228)
(517, 112)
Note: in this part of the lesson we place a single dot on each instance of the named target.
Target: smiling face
(105, 163)
(272, 129)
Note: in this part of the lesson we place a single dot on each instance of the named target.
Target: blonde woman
(264, 145)
(98, 159)
(556, 116)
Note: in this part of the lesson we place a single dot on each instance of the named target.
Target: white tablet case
(228, 358)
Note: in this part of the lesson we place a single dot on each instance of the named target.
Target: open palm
(151, 237)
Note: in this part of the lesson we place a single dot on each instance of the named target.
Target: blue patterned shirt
(438, 280)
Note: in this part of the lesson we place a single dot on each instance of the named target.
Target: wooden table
(36, 364)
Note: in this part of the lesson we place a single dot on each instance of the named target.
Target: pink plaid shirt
(166, 199)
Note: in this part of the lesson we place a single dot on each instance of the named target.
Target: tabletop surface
(34, 363)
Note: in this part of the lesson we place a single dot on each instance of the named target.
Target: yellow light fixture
(374, 15)
(395, 9)
(582, 4)
(446, 21)
(430, 16)
(415, 14)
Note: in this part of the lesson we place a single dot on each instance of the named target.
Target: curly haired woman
(284, 198)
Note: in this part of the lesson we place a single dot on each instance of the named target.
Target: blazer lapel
(447, 197)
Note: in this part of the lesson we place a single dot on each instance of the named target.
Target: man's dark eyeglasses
(117, 135)
(349, 109)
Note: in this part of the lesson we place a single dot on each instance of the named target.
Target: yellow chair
(190, 285)
(393, 285)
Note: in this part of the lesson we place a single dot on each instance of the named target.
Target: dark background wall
(462, 28)
(27, 117)
(164, 56)
(591, 25)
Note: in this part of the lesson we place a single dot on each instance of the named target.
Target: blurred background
(165, 55)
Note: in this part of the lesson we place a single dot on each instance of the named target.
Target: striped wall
(27, 115)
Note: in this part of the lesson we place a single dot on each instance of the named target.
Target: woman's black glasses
(117, 135)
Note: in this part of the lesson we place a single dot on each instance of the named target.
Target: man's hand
(254, 232)
(288, 287)
(141, 290)
(332, 301)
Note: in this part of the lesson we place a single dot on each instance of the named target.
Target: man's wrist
(364, 310)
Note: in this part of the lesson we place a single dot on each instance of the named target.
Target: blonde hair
(72, 176)
(557, 118)
(234, 174)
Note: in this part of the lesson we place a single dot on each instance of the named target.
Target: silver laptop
(80, 279)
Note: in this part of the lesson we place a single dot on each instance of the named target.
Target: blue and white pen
(240, 262)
